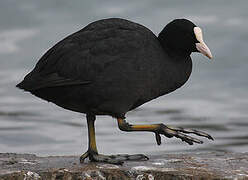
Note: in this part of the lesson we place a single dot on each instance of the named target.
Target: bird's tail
(26, 83)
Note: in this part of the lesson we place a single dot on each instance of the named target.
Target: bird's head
(181, 36)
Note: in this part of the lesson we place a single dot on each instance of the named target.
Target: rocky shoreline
(167, 166)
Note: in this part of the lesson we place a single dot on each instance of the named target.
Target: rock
(167, 166)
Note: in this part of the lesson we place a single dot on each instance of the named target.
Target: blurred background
(214, 100)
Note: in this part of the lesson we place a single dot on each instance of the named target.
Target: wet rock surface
(168, 166)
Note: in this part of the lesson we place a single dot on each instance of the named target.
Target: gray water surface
(214, 100)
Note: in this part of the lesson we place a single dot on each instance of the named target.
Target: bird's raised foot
(112, 159)
(180, 133)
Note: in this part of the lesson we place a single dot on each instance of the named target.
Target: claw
(84, 156)
(158, 138)
(178, 132)
(188, 139)
(106, 159)
(192, 131)
(112, 159)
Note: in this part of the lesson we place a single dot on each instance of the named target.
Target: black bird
(112, 66)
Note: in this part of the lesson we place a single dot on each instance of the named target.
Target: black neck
(174, 53)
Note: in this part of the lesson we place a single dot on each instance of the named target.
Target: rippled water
(215, 98)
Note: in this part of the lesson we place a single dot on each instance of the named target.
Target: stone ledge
(168, 166)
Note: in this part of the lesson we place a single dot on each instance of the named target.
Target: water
(215, 98)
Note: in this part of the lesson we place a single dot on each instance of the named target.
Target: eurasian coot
(112, 66)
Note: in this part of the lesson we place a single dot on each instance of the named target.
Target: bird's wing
(82, 56)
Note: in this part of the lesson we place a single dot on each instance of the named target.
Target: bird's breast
(172, 75)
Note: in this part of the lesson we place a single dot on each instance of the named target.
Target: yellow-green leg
(167, 131)
(92, 149)
(92, 152)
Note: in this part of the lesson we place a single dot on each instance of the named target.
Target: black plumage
(109, 67)
(112, 66)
